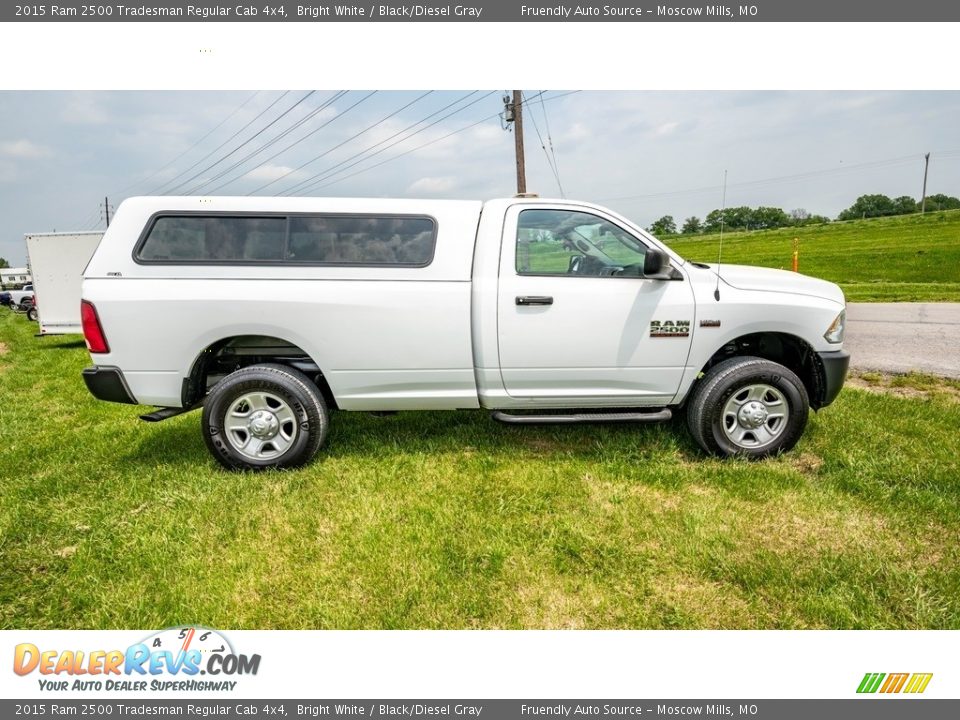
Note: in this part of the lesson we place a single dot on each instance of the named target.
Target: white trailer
(57, 261)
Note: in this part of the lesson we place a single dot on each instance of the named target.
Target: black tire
(32, 314)
(307, 425)
(733, 384)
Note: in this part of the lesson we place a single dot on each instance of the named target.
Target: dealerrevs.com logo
(182, 659)
(910, 683)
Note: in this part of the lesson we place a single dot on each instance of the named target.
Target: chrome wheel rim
(260, 425)
(755, 416)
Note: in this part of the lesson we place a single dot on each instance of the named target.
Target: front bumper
(834, 366)
(107, 383)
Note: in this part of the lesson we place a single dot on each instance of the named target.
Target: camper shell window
(288, 239)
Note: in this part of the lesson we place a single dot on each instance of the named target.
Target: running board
(591, 417)
(167, 413)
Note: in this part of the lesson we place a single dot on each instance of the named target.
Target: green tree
(905, 205)
(767, 218)
(869, 206)
(942, 202)
(692, 226)
(4, 263)
(664, 226)
(736, 218)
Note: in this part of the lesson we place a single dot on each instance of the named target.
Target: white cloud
(272, 172)
(83, 109)
(666, 128)
(575, 132)
(432, 185)
(23, 149)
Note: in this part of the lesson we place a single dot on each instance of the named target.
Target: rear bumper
(107, 383)
(835, 366)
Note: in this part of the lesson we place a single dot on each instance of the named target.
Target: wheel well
(788, 350)
(233, 353)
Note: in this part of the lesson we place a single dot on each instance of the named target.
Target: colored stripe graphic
(918, 683)
(894, 683)
(870, 682)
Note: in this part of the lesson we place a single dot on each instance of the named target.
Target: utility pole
(106, 209)
(514, 114)
(926, 167)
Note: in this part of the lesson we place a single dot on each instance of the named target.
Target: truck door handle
(534, 300)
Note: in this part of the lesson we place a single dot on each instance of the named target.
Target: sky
(643, 154)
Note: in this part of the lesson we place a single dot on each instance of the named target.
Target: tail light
(92, 330)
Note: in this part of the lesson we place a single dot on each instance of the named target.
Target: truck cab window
(569, 242)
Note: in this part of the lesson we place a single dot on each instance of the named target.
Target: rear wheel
(32, 314)
(264, 416)
(748, 406)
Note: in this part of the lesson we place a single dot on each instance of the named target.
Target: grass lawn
(907, 258)
(448, 520)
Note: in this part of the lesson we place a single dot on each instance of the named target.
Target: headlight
(834, 333)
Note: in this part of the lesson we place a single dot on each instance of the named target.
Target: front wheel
(264, 416)
(748, 406)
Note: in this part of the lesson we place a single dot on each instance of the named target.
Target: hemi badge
(709, 323)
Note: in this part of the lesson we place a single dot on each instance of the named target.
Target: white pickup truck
(22, 297)
(270, 312)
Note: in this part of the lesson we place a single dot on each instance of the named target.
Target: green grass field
(907, 258)
(448, 520)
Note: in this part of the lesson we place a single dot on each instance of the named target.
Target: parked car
(23, 297)
(270, 312)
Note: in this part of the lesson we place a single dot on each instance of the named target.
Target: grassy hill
(450, 520)
(899, 259)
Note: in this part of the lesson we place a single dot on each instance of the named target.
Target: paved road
(900, 337)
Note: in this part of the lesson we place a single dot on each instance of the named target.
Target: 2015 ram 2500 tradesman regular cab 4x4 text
(269, 312)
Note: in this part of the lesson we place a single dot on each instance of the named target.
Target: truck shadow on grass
(443, 438)
(45, 343)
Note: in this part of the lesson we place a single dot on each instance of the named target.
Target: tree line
(768, 218)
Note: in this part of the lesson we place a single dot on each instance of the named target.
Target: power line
(543, 145)
(407, 152)
(94, 216)
(241, 145)
(197, 143)
(90, 225)
(890, 162)
(344, 142)
(338, 145)
(300, 123)
(263, 112)
(435, 140)
(366, 151)
(290, 172)
(320, 177)
(556, 163)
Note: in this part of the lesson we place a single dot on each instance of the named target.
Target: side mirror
(656, 265)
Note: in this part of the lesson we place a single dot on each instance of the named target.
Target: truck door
(578, 325)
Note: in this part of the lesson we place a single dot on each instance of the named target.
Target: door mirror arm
(656, 266)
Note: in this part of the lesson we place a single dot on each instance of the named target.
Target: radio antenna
(723, 214)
